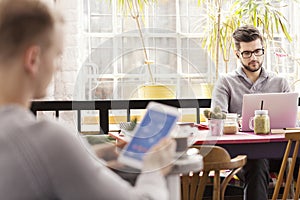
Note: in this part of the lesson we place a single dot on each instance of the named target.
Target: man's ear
(237, 53)
(32, 59)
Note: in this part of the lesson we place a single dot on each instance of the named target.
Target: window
(115, 66)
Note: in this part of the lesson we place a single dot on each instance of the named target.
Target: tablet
(157, 123)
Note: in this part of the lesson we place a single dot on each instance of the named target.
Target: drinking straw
(262, 105)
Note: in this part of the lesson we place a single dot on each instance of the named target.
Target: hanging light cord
(134, 12)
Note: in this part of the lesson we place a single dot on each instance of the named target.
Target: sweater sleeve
(285, 86)
(75, 173)
(220, 96)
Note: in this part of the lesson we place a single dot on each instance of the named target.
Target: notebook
(282, 109)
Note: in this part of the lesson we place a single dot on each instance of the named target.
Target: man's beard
(249, 68)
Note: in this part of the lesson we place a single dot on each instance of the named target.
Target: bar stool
(292, 137)
(215, 158)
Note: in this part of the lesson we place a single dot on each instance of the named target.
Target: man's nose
(253, 56)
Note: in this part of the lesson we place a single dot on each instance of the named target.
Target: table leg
(173, 182)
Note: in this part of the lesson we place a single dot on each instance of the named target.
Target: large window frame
(113, 79)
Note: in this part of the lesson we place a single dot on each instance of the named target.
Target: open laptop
(282, 109)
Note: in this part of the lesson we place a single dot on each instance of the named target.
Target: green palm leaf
(264, 14)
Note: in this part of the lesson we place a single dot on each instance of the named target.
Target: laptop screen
(282, 109)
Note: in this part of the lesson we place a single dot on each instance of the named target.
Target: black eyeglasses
(256, 52)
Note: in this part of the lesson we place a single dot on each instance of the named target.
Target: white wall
(62, 86)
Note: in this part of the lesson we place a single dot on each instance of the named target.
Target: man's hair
(246, 33)
(24, 23)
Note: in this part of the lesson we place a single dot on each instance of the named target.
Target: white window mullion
(146, 40)
(115, 50)
(178, 47)
(89, 30)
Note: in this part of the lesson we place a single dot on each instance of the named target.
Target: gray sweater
(43, 160)
(230, 88)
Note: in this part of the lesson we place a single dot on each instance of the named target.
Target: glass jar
(261, 122)
(231, 124)
(216, 127)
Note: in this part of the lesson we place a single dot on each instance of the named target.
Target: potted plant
(217, 39)
(215, 118)
(150, 90)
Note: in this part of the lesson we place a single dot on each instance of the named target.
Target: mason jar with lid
(260, 123)
(231, 124)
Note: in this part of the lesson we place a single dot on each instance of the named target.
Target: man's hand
(106, 151)
(160, 157)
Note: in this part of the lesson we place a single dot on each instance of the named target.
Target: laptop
(282, 109)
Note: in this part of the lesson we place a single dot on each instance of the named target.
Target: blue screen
(154, 126)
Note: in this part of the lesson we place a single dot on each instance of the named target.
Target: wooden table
(270, 146)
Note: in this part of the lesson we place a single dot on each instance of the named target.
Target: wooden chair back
(292, 137)
(215, 158)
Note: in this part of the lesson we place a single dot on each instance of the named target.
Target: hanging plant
(134, 7)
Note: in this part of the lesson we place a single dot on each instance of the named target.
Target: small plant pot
(157, 92)
(206, 90)
(216, 127)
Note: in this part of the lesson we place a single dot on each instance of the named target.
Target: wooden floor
(234, 193)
